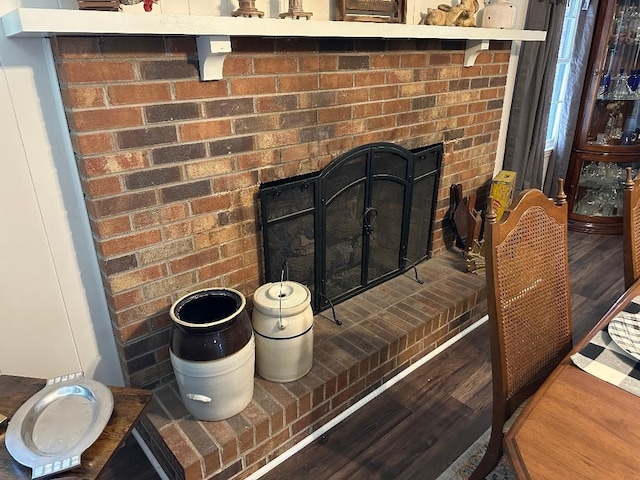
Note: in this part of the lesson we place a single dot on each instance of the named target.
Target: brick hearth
(384, 331)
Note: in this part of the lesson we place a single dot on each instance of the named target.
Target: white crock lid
(287, 297)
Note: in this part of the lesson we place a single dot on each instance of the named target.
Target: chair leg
(491, 457)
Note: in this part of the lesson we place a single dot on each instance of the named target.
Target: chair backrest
(528, 295)
(631, 229)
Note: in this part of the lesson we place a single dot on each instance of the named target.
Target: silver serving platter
(50, 431)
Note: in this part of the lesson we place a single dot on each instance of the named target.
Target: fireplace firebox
(363, 219)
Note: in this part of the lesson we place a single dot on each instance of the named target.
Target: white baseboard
(149, 454)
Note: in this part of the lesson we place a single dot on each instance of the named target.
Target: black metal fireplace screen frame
(318, 224)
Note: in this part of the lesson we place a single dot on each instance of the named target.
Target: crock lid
(283, 296)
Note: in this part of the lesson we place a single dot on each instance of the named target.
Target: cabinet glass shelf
(607, 137)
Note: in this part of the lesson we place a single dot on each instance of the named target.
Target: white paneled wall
(54, 315)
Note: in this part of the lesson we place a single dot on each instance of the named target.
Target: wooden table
(128, 404)
(578, 426)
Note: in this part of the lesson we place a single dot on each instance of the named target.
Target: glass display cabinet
(607, 134)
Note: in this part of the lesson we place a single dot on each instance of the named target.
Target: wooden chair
(529, 305)
(631, 230)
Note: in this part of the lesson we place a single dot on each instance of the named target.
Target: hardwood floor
(418, 427)
(596, 272)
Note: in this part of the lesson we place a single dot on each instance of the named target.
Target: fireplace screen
(362, 220)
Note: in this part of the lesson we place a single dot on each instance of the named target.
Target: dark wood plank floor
(418, 427)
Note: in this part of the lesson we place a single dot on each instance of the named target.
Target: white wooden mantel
(214, 33)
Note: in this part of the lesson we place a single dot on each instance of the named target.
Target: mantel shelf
(215, 32)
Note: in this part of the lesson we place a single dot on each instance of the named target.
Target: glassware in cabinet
(607, 136)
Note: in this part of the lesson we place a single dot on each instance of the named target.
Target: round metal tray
(51, 429)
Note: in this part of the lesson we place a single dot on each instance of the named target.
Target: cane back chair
(529, 304)
(631, 230)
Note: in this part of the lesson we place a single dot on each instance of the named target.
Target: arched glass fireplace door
(362, 220)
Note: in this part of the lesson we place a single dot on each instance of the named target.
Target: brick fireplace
(170, 168)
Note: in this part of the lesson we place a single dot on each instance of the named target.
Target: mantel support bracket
(212, 50)
(474, 48)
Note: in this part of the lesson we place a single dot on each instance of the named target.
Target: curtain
(526, 135)
(559, 161)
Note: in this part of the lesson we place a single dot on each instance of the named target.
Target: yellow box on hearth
(502, 188)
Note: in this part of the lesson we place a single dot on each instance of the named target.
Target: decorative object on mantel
(147, 4)
(461, 15)
(248, 9)
(295, 11)
(390, 11)
(499, 14)
(103, 5)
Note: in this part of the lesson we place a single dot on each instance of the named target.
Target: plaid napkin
(606, 360)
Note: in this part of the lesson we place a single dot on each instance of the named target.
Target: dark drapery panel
(525, 142)
(561, 152)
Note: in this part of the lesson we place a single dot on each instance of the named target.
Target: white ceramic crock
(217, 389)
(500, 14)
(212, 351)
(283, 325)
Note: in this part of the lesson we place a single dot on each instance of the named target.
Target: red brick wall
(170, 166)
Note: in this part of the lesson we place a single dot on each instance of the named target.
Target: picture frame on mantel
(383, 11)
(100, 5)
